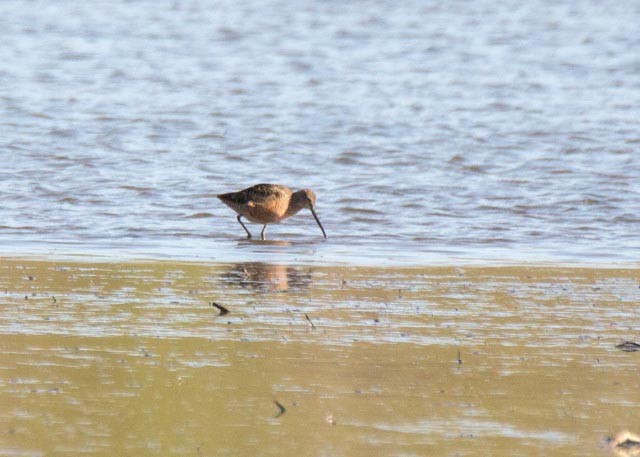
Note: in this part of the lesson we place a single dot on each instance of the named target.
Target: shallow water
(428, 131)
(131, 359)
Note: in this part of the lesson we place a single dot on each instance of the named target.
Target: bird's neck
(296, 203)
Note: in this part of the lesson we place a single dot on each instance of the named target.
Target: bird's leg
(262, 233)
(243, 226)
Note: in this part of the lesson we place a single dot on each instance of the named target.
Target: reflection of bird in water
(625, 444)
(269, 203)
(269, 277)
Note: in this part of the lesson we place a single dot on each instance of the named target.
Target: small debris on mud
(625, 443)
(629, 346)
(280, 407)
(309, 320)
(221, 308)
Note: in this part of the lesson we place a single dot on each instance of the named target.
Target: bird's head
(309, 198)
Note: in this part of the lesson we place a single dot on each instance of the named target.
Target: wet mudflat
(131, 358)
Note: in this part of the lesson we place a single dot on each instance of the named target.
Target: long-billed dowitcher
(269, 203)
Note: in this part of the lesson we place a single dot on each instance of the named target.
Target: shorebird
(269, 203)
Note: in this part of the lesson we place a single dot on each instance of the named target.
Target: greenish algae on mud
(131, 359)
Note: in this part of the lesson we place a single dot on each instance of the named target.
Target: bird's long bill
(315, 216)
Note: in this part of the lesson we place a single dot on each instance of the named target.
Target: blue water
(429, 131)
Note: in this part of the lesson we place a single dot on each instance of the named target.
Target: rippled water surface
(428, 130)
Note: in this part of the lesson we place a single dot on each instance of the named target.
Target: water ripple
(417, 122)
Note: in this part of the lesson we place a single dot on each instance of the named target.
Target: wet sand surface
(131, 358)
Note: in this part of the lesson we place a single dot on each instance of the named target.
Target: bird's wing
(266, 194)
(267, 201)
(261, 192)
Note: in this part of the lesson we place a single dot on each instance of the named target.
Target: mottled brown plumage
(269, 203)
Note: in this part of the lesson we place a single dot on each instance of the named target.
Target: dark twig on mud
(280, 407)
(459, 359)
(310, 323)
(629, 346)
(222, 309)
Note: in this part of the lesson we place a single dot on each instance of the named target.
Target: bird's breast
(266, 213)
